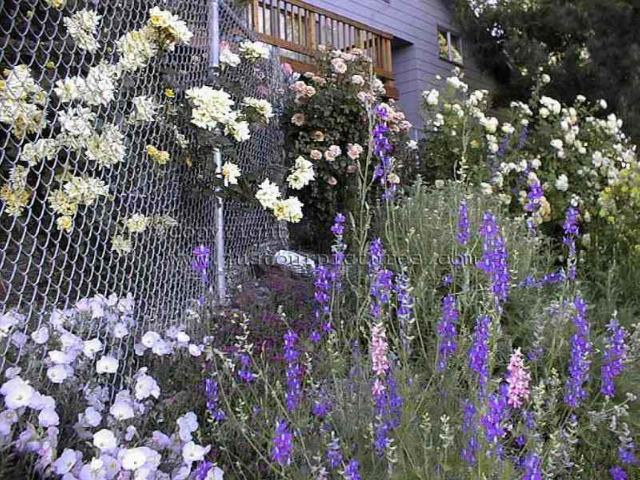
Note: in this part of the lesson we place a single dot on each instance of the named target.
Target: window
(450, 46)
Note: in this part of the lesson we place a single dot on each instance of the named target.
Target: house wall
(415, 21)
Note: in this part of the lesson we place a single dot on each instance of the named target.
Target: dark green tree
(588, 47)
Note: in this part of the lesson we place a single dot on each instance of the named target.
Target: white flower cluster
(43, 149)
(21, 102)
(576, 152)
(170, 29)
(550, 106)
(98, 88)
(288, 210)
(136, 49)
(163, 31)
(302, 174)
(122, 243)
(231, 173)
(431, 97)
(227, 57)
(269, 196)
(237, 128)
(105, 443)
(145, 109)
(76, 191)
(83, 28)
(211, 108)
(259, 107)
(106, 148)
(254, 51)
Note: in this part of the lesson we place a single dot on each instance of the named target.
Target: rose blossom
(298, 119)
(338, 65)
(315, 154)
(357, 80)
(333, 152)
(354, 151)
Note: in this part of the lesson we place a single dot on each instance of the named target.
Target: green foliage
(588, 47)
(419, 234)
(575, 153)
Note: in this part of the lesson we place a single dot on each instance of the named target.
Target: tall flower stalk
(211, 391)
(404, 311)
(518, 379)
(469, 452)
(282, 449)
(447, 332)
(201, 261)
(479, 352)
(463, 234)
(294, 370)
(383, 150)
(328, 281)
(615, 357)
(495, 259)
(580, 357)
(387, 402)
(571, 230)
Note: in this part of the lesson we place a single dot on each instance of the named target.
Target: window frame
(449, 35)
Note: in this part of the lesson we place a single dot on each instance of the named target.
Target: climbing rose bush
(327, 120)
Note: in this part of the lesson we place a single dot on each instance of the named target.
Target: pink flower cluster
(518, 379)
(302, 91)
(379, 350)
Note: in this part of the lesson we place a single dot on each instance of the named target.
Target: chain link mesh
(40, 266)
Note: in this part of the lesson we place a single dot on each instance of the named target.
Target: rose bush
(539, 158)
(327, 123)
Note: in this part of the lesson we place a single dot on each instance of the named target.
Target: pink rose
(338, 65)
(315, 155)
(333, 152)
(299, 119)
(354, 151)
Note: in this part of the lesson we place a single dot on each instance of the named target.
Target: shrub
(328, 121)
(540, 158)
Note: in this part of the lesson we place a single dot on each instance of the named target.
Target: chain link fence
(41, 266)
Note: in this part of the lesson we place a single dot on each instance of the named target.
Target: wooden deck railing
(298, 28)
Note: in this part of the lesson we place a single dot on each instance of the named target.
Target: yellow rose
(64, 223)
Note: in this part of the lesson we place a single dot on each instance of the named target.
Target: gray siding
(415, 21)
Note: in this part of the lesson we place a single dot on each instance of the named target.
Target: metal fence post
(214, 64)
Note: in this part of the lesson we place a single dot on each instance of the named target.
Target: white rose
(562, 183)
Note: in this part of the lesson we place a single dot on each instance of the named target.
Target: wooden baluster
(374, 45)
(345, 37)
(312, 39)
(335, 33)
(255, 11)
(272, 19)
(299, 39)
(285, 14)
(388, 65)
